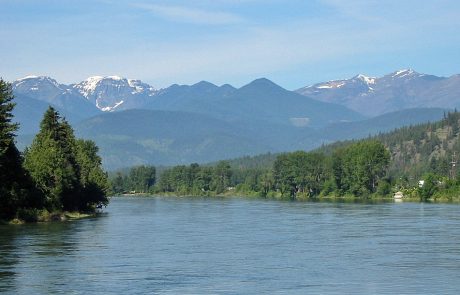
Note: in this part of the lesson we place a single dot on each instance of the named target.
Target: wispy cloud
(191, 15)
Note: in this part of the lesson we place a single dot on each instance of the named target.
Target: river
(238, 246)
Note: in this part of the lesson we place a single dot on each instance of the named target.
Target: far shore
(346, 198)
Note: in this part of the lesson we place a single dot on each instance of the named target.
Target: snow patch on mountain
(88, 86)
(402, 73)
(366, 79)
(111, 109)
(408, 73)
(33, 81)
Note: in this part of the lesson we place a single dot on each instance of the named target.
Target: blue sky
(292, 42)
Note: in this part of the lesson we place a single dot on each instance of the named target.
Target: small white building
(398, 195)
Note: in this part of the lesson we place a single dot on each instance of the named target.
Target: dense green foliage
(17, 191)
(139, 179)
(301, 173)
(196, 179)
(58, 172)
(68, 171)
(356, 169)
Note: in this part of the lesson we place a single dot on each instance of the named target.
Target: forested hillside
(373, 167)
(416, 150)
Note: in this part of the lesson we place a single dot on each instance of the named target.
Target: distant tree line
(56, 173)
(358, 169)
(192, 180)
(377, 166)
(140, 179)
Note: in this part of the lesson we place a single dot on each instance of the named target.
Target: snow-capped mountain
(399, 90)
(105, 93)
(39, 87)
(48, 90)
(370, 96)
(34, 94)
(114, 93)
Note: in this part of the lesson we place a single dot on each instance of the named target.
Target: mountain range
(372, 96)
(134, 123)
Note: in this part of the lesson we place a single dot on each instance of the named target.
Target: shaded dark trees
(17, 190)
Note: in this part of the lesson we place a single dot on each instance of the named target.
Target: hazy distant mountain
(259, 102)
(171, 137)
(383, 123)
(29, 112)
(136, 137)
(396, 91)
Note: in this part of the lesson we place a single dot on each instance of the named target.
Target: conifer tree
(68, 171)
(51, 162)
(7, 127)
(93, 179)
(16, 187)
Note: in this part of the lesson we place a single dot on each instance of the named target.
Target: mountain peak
(203, 85)
(262, 83)
(365, 79)
(113, 92)
(115, 78)
(404, 72)
(97, 79)
(30, 77)
(33, 82)
(35, 77)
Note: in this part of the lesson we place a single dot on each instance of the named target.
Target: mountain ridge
(402, 89)
(227, 122)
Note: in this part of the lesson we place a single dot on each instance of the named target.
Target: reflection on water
(7, 257)
(237, 246)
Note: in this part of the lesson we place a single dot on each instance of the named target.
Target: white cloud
(192, 15)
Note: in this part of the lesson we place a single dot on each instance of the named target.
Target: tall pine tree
(68, 171)
(51, 163)
(17, 190)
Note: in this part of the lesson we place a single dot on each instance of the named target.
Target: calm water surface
(237, 246)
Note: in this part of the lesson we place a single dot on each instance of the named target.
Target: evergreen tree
(93, 180)
(17, 190)
(66, 170)
(7, 127)
(50, 160)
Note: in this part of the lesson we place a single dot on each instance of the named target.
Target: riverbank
(38, 216)
(305, 198)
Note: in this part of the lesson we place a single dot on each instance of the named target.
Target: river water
(238, 246)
